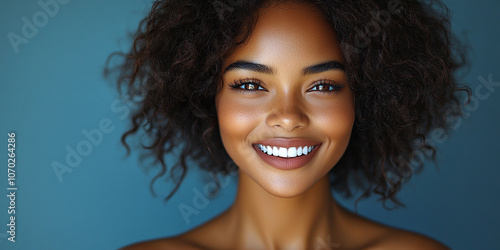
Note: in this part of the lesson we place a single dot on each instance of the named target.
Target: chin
(287, 188)
(287, 194)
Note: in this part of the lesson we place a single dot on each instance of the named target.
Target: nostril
(288, 121)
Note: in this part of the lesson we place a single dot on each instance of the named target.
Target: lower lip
(286, 163)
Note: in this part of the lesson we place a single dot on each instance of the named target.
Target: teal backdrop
(67, 116)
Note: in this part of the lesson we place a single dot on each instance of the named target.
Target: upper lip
(288, 142)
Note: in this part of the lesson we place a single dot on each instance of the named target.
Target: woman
(301, 96)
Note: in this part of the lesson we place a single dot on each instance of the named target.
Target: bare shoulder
(400, 239)
(205, 236)
(373, 235)
(163, 244)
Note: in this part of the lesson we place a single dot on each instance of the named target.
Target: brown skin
(288, 209)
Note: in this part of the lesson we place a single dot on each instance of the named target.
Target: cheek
(237, 119)
(336, 119)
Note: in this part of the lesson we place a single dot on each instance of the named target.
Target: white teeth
(286, 152)
(283, 152)
(264, 149)
(275, 151)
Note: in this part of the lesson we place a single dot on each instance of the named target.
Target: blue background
(52, 89)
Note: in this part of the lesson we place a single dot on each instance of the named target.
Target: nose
(287, 113)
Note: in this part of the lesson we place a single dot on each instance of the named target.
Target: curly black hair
(401, 59)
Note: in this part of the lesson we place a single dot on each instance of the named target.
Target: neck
(263, 220)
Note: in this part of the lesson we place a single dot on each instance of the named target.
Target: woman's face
(285, 110)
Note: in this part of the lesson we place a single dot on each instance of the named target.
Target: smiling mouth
(284, 152)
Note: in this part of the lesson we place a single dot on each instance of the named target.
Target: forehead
(290, 32)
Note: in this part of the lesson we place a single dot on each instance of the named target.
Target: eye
(247, 85)
(326, 86)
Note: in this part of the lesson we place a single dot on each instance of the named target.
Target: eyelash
(331, 85)
(239, 85)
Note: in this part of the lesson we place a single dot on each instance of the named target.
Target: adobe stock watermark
(201, 199)
(83, 148)
(380, 19)
(92, 138)
(75, 155)
(480, 93)
(30, 26)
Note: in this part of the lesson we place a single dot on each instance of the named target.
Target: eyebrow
(317, 68)
(322, 67)
(250, 66)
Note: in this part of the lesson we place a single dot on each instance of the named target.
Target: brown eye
(323, 86)
(247, 85)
